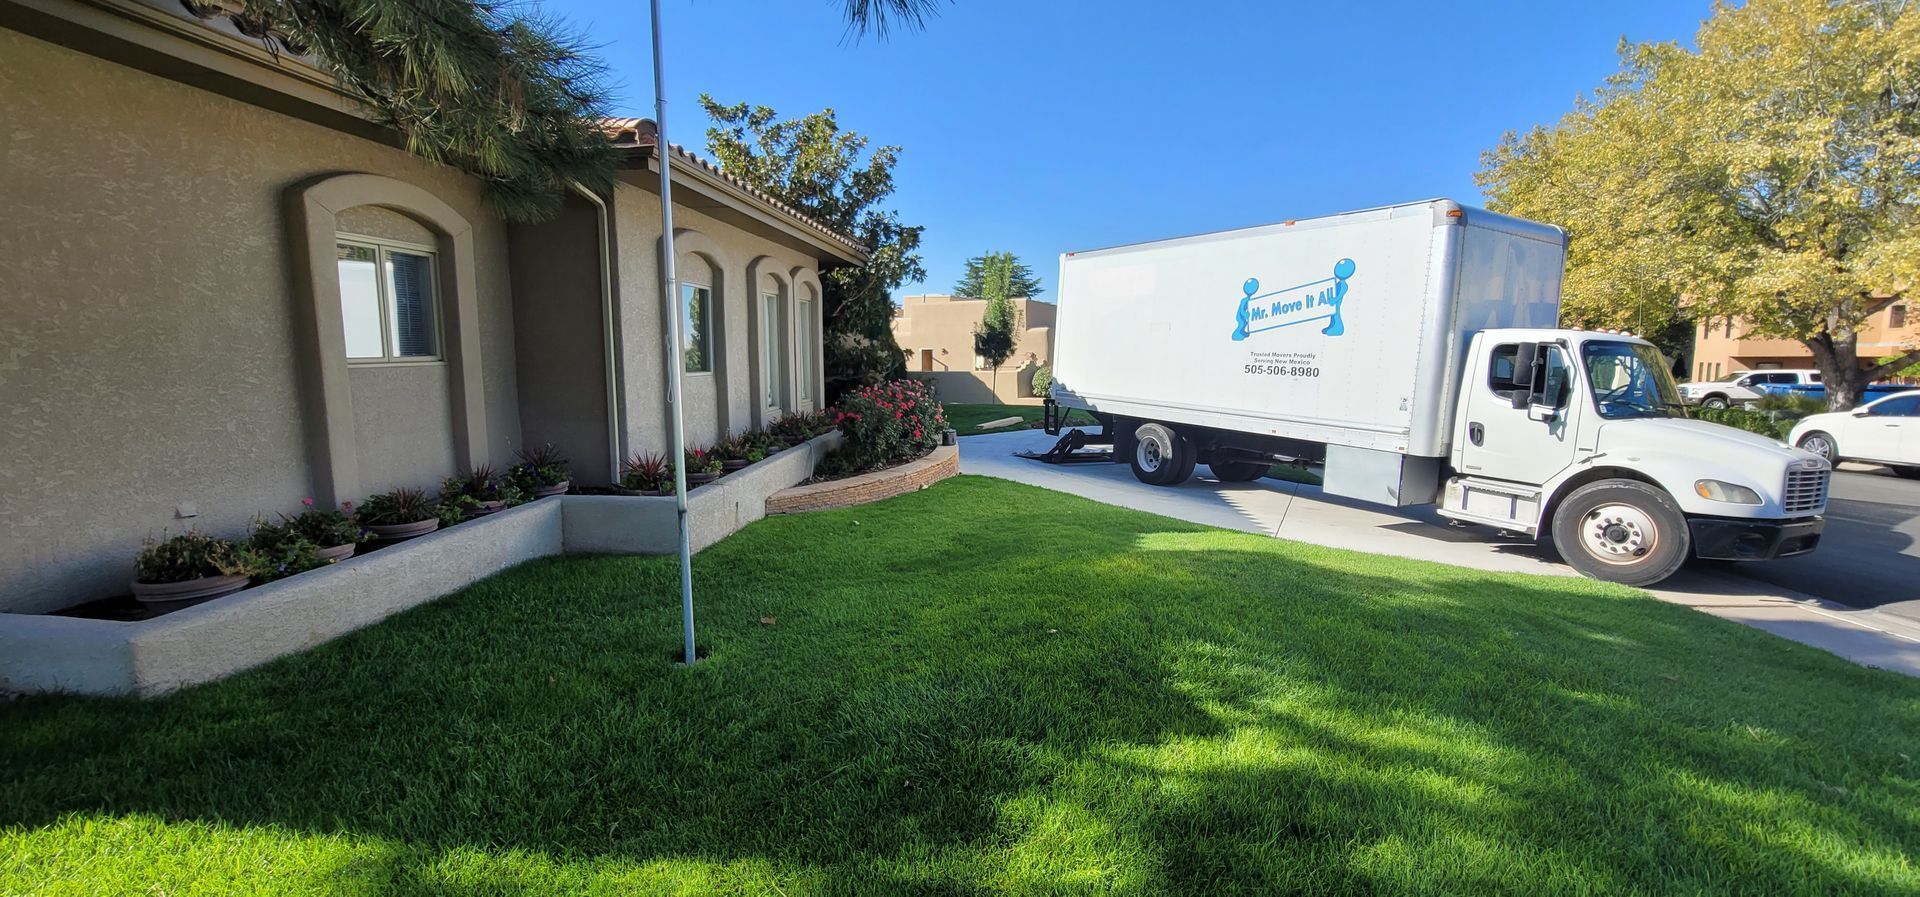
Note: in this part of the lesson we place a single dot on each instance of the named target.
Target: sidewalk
(1304, 514)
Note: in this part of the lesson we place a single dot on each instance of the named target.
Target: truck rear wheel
(1161, 457)
(1237, 471)
(1621, 531)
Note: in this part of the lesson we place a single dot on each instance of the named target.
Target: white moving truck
(1412, 350)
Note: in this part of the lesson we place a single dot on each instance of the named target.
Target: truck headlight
(1731, 493)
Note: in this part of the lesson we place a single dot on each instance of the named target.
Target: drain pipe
(608, 322)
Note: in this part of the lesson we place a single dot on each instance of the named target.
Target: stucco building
(936, 333)
(227, 290)
(1721, 347)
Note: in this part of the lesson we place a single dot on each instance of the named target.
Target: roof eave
(827, 244)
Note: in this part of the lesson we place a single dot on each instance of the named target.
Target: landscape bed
(986, 687)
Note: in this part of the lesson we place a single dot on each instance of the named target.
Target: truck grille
(1806, 490)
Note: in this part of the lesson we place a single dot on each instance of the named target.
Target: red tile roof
(640, 133)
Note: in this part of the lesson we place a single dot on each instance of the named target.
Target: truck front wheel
(1161, 457)
(1621, 531)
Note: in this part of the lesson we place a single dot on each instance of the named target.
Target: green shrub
(278, 550)
(1791, 405)
(1043, 380)
(888, 423)
(190, 555)
(702, 460)
(1764, 423)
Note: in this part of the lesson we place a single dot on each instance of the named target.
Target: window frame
(706, 329)
(774, 390)
(385, 301)
(807, 349)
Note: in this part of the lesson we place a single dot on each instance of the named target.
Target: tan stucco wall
(945, 325)
(559, 326)
(146, 319)
(637, 226)
(1720, 351)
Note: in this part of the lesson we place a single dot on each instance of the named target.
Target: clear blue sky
(1047, 126)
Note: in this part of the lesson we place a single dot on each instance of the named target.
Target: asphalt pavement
(1869, 556)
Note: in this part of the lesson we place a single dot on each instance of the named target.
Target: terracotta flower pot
(559, 488)
(399, 532)
(697, 479)
(338, 552)
(167, 596)
(486, 507)
(732, 464)
(619, 490)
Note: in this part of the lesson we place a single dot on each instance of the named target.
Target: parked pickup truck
(1745, 388)
(1413, 351)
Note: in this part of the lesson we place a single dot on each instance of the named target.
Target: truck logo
(1312, 301)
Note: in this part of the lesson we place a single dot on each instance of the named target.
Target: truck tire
(1238, 471)
(1715, 402)
(1161, 456)
(1622, 531)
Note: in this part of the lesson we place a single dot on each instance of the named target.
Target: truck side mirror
(1542, 413)
(1525, 356)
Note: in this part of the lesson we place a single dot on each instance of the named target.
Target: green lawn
(988, 688)
(968, 418)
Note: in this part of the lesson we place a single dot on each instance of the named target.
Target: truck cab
(1582, 437)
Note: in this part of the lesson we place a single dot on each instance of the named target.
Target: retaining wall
(43, 653)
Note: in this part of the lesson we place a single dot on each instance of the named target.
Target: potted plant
(542, 472)
(791, 429)
(476, 493)
(733, 453)
(187, 569)
(401, 514)
(279, 550)
(703, 466)
(336, 535)
(646, 474)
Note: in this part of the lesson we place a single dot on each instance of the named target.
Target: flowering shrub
(888, 423)
(540, 468)
(702, 460)
(325, 527)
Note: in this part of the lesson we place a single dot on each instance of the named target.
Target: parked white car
(1883, 431)
(1743, 388)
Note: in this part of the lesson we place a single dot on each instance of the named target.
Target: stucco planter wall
(210, 641)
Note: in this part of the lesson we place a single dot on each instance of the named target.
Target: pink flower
(306, 502)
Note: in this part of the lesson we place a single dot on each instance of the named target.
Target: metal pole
(676, 355)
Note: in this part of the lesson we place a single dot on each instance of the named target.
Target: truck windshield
(1630, 380)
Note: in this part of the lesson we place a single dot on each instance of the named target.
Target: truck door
(1529, 444)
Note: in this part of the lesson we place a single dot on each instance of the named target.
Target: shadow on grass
(985, 688)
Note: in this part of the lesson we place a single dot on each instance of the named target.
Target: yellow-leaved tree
(1772, 175)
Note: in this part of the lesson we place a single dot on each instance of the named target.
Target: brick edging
(868, 487)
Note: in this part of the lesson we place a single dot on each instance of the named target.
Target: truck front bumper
(1725, 539)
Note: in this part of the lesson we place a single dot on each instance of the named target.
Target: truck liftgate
(1072, 447)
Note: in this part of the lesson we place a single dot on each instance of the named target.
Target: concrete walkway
(1304, 514)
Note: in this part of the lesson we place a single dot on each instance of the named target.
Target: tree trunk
(1838, 358)
(995, 389)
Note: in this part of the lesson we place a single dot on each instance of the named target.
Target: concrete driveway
(1864, 547)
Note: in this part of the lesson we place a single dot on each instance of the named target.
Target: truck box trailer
(1412, 350)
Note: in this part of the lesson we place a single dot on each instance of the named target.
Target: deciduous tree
(828, 173)
(1772, 176)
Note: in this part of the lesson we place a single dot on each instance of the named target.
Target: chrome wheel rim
(1819, 446)
(1149, 456)
(1618, 534)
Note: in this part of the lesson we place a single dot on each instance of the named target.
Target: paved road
(1870, 553)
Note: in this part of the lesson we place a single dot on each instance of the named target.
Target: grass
(968, 418)
(988, 688)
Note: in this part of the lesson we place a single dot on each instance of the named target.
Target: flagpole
(676, 355)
